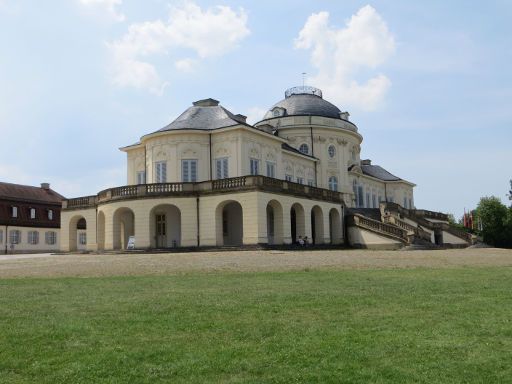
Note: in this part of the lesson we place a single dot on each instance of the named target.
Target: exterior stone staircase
(389, 221)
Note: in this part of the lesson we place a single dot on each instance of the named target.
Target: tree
(496, 222)
(510, 192)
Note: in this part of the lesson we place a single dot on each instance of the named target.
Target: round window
(332, 151)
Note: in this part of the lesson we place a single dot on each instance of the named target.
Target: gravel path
(168, 263)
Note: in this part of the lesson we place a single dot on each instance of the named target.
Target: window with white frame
(304, 148)
(333, 183)
(374, 201)
(221, 168)
(311, 182)
(14, 236)
(82, 238)
(14, 211)
(271, 169)
(50, 237)
(1, 236)
(288, 177)
(189, 170)
(332, 151)
(32, 213)
(50, 214)
(161, 172)
(367, 200)
(33, 237)
(300, 180)
(254, 165)
(410, 203)
(405, 202)
(141, 177)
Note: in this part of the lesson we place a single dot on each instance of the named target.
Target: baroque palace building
(211, 179)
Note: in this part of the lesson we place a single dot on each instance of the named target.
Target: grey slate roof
(305, 104)
(379, 173)
(205, 115)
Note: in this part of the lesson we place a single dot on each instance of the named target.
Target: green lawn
(369, 326)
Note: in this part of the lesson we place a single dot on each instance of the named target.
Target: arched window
(304, 148)
(333, 183)
(332, 151)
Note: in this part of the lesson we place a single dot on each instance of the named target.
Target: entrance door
(161, 233)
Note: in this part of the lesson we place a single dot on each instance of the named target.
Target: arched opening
(335, 232)
(274, 222)
(297, 222)
(317, 225)
(229, 223)
(123, 227)
(165, 226)
(77, 233)
(101, 230)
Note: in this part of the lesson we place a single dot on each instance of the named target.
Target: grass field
(419, 325)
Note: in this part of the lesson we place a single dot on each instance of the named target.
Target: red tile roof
(29, 193)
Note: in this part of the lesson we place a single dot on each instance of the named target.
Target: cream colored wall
(68, 237)
(24, 245)
(297, 166)
(399, 190)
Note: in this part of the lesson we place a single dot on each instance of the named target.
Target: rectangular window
(161, 172)
(50, 238)
(188, 171)
(405, 202)
(410, 204)
(254, 164)
(374, 201)
(14, 212)
(221, 167)
(360, 196)
(33, 237)
(367, 200)
(32, 213)
(82, 238)
(271, 169)
(288, 177)
(141, 177)
(1, 236)
(380, 199)
(311, 182)
(50, 214)
(14, 236)
(300, 180)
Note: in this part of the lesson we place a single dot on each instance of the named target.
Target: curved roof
(205, 115)
(305, 101)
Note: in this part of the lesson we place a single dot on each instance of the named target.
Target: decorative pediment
(342, 142)
(254, 153)
(356, 169)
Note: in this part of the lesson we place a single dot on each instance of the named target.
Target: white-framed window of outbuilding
(254, 165)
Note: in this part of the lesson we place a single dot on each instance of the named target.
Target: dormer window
(32, 213)
(277, 112)
(14, 211)
(304, 148)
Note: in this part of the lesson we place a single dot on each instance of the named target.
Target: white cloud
(338, 54)
(255, 114)
(107, 6)
(186, 65)
(209, 33)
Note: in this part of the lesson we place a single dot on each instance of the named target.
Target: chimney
(45, 186)
(366, 162)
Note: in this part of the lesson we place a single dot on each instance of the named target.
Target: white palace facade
(211, 179)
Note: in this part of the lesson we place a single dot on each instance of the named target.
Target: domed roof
(205, 114)
(303, 101)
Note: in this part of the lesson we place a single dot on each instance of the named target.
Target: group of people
(302, 242)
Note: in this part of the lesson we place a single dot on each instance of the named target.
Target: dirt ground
(88, 265)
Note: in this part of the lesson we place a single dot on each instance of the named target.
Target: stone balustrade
(228, 185)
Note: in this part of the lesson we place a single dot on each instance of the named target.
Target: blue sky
(428, 83)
